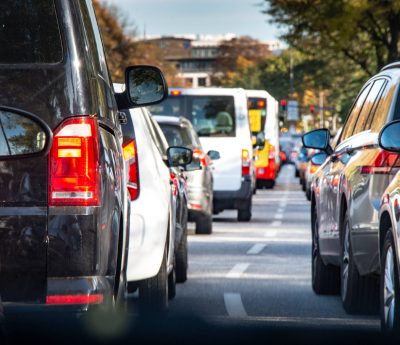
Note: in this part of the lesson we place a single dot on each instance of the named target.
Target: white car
(220, 118)
(152, 222)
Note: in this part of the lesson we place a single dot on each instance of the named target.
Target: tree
(363, 32)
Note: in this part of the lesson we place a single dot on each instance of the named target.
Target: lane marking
(280, 210)
(278, 216)
(234, 305)
(270, 233)
(256, 249)
(237, 270)
(276, 223)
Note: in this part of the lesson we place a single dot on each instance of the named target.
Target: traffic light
(312, 109)
(283, 105)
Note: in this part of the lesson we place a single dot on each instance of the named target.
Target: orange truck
(264, 125)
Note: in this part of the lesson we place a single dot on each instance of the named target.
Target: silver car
(346, 195)
(199, 182)
(389, 229)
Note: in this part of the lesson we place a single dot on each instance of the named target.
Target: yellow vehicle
(264, 125)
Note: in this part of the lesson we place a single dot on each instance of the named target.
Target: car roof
(172, 120)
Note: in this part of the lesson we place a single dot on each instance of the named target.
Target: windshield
(24, 36)
(211, 116)
(176, 135)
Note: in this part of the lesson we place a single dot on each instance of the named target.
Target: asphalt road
(261, 271)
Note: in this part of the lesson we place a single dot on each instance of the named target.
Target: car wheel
(172, 282)
(359, 294)
(325, 278)
(182, 260)
(389, 288)
(297, 173)
(204, 225)
(153, 292)
(244, 213)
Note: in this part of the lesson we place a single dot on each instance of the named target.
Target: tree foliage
(363, 32)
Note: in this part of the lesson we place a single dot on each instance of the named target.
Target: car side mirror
(178, 156)
(214, 155)
(144, 85)
(317, 139)
(319, 158)
(389, 138)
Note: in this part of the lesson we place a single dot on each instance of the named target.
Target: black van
(63, 188)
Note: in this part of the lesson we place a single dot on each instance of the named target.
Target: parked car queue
(355, 203)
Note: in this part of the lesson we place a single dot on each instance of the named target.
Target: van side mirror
(389, 138)
(145, 85)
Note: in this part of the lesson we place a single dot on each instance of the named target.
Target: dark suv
(63, 194)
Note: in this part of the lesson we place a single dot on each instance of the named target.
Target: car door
(329, 186)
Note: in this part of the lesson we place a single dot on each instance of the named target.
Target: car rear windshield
(211, 116)
(29, 32)
(176, 135)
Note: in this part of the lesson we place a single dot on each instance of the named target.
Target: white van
(221, 120)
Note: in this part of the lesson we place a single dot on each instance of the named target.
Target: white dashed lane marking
(256, 249)
(234, 305)
(237, 270)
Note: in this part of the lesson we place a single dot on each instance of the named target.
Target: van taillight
(201, 156)
(130, 156)
(74, 167)
(383, 164)
(271, 151)
(246, 160)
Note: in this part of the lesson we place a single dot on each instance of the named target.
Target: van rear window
(211, 116)
(29, 32)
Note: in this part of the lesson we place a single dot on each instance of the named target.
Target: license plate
(261, 171)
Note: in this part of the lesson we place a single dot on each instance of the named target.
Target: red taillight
(246, 159)
(130, 156)
(201, 156)
(174, 184)
(175, 93)
(74, 168)
(313, 168)
(271, 152)
(74, 299)
(383, 164)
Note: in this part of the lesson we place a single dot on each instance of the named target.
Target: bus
(264, 125)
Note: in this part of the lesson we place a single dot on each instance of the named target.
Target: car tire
(172, 282)
(359, 293)
(153, 292)
(182, 260)
(304, 186)
(325, 278)
(204, 225)
(297, 173)
(244, 213)
(389, 288)
(308, 194)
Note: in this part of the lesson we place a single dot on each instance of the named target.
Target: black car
(63, 191)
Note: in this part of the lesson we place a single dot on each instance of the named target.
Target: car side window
(381, 112)
(354, 114)
(154, 136)
(365, 113)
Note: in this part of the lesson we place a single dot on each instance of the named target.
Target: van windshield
(211, 116)
(29, 32)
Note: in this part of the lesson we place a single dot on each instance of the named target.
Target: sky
(172, 17)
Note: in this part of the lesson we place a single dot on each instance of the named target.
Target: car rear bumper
(225, 200)
(63, 295)
(268, 172)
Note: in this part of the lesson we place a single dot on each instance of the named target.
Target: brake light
(246, 158)
(175, 93)
(201, 156)
(313, 168)
(383, 164)
(271, 152)
(174, 185)
(74, 168)
(130, 156)
(74, 299)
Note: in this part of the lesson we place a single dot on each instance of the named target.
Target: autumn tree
(361, 32)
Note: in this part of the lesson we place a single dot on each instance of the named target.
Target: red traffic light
(283, 102)
(312, 109)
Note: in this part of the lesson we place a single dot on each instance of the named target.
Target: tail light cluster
(246, 162)
(271, 151)
(383, 164)
(201, 156)
(174, 184)
(74, 169)
(312, 168)
(130, 156)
